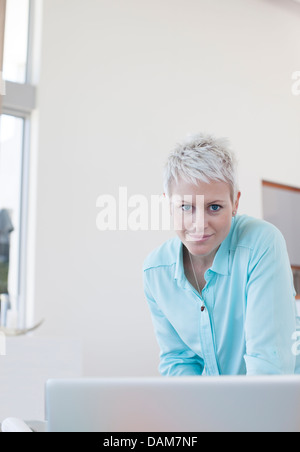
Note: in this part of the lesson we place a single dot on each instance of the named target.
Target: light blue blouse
(245, 319)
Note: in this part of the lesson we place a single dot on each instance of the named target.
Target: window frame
(20, 101)
(2, 30)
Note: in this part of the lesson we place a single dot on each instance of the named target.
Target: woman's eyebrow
(188, 200)
(218, 201)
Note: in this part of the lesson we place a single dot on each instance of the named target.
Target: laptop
(186, 404)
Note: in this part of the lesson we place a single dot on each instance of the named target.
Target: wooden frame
(281, 186)
(295, 268)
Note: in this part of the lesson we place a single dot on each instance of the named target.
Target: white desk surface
(36, 426)
(29, 362)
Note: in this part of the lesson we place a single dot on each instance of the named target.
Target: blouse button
(202, 308)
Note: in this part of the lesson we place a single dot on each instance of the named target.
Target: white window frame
(20, 101)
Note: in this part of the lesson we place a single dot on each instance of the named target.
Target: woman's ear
(236, 204)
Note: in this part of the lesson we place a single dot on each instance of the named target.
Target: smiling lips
(198, 238)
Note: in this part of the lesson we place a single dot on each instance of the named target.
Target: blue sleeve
(271, 310)
(176, 358)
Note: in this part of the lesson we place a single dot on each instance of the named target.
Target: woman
(221, 293)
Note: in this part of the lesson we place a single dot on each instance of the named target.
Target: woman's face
(202, 215)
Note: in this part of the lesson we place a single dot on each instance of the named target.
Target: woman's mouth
(198, 238)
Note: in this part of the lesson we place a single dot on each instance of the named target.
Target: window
(15, 128)
(11, 151)
(16, 43)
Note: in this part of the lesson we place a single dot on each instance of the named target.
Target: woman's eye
(186, 208)
(215, 208)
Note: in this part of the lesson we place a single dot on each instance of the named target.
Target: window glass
(11, 152)
(16, 40)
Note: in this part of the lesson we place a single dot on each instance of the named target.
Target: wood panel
(281, 204)
(280, 186)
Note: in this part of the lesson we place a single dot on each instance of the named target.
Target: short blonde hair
(204, 158)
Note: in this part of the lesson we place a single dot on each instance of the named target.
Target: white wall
(121, 83)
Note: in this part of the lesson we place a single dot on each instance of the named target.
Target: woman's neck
(201, 263)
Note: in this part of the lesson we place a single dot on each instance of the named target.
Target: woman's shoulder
(253, 232)
(164, 255)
